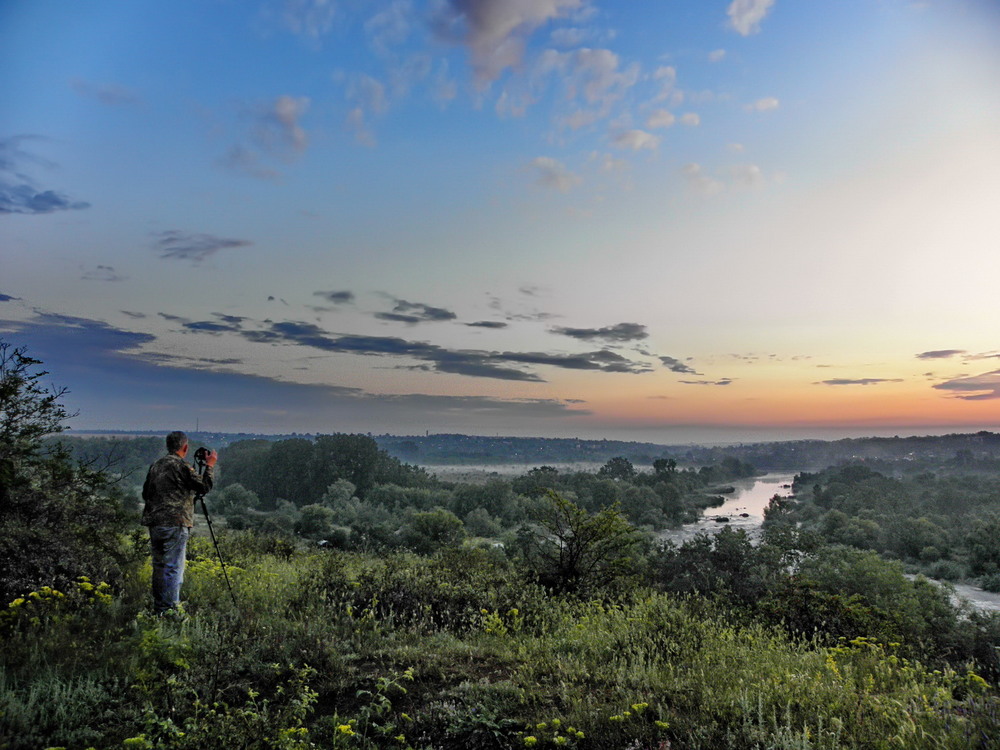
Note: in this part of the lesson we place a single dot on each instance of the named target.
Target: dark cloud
(115, 385)
(484, 364)
(474, 364)
(234, 320)
(723, 381)
(675, 365)
(19, 194)
(195, 247)
(940, 354)
(101, 273)
(479, 365)
(173, 318)
(487, 324)
(207, 326)
(620, 332)
(416, 312)
(336, 298)
(537, 316)
(26, 199)
(82, 337)
(398, 318)
(859, 381)
(8, 298)
(983, 387)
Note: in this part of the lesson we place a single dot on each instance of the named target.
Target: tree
(664, 467)
(429, 531)
(617, 468)
(573, 551)
(355, 458)
(537, 481)
(316, 521)
(28, 410)
(981, 543)
(58, 519)
(233, 498)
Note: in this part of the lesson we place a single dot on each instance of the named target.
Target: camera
(201, 455)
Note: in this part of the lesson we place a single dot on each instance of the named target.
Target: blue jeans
(169, 549)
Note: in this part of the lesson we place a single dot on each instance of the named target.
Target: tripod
(199, 459)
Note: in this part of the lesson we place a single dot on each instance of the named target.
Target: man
(169, 491)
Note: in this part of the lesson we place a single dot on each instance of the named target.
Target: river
(751, 498)
(743, 509)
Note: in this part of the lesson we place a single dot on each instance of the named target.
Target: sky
(640, 219)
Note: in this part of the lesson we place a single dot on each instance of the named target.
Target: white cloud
(495, 31)
(357, 122)
(579, 118)
(660, 118)
(596, 74)
(554, 174)
(691, 119)
(701, 182)
(569, 38)
(368, 93)
(444, 87)
(391, 27)
(287, 112)
(765, 104)
(717, 55)
(608, 163)
(736, 148)
(745, 15)
(637, 140)
(747, 175)
(311, 18)
(592, 77)
(666, 79)
(511, 104)
(277, 132)
(369, 97)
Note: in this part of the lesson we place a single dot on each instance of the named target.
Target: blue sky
(544, 217)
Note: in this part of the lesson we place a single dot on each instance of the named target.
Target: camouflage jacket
(169, 491)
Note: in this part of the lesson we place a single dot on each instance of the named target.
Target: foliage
(58, 520)
(579, 552)
(29, 411)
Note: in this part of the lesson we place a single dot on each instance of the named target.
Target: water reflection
(743, 509)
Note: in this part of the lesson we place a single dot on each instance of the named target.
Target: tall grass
(348, 650)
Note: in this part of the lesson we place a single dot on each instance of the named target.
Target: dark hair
(176, 440)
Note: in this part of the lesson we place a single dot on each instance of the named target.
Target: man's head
(177, 442)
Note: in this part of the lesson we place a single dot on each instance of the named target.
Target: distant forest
(980, 450)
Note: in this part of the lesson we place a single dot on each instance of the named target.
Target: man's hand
(211, 458)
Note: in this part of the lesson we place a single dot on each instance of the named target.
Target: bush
(990, 582)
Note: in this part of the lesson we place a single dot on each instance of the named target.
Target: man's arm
(202, 483)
